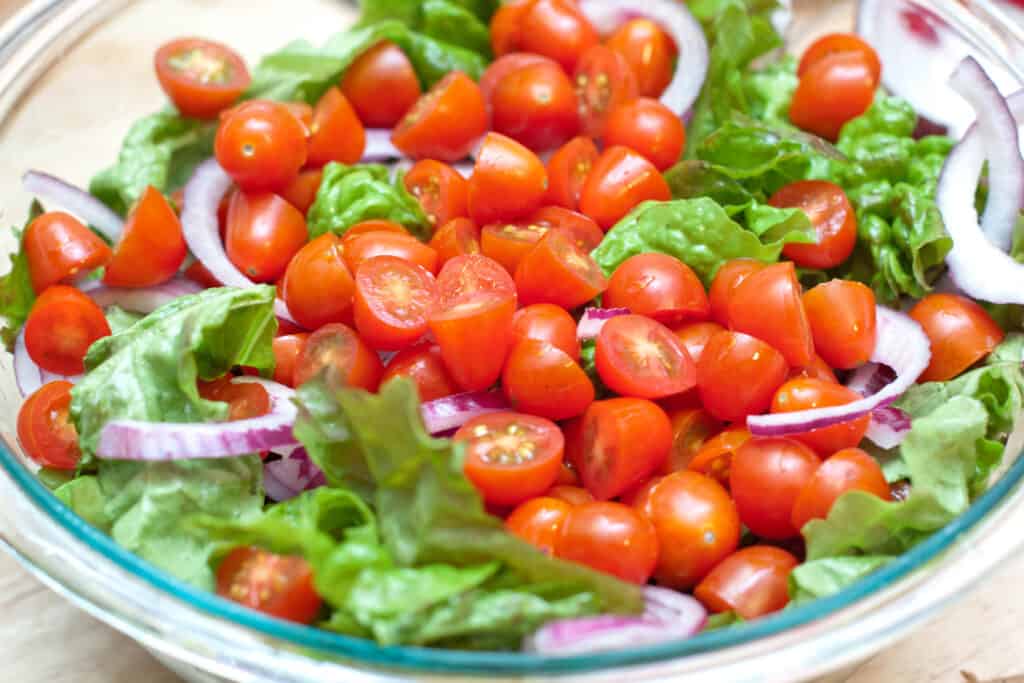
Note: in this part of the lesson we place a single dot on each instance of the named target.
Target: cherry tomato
(751, 582)
(59, 248)
(245, 399)
(393, 300)
(807, 394)
(619, 181)
(511, 457)
(697, 526)
(611, 538)
(381, 85)
(841, 314)
(850, 469)
(509, 243)
(425, 367)
(568, 169)
(61, 327)
(278, 585)
(624, 441)
(549, 323)
(637, 356)
(566, 476)
(649, 128)
(695, 336)
(573, 495)
(832, 216)
(371, 225)
(441, 190)
(472, 320)
(768, 305)
(151, 249)
(45, 430)
(505, 65)
(714, 458)
(738, 375)
(262, 146)
(536, 106)
(508, 181)
(505, 23)
(766, 479)
(287, 349)
(960, 331)
(558, 272)
(539, 522)
(579, 228)
(650, 53)
(336, 133)
(457, 237)
(445, 123)
(557, 29)
(338, 348)
(817, 369)
(691, 428)
(604, 80)
(318, 286)
(359, 249)
(727, 279)
(301, 192)
(198, 273)
(836, 43)
(201, 77)
(541, 379)
(832, 91)
(660, 287)
(264, 233)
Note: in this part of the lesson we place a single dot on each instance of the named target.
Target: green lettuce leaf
(463, 23)
(120, 319)
(350, 194)
(825, 577)
(16, 293)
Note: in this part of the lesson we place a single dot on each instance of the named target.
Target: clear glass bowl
(73, 75)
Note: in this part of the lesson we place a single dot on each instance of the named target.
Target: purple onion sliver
(278, 481)
(379, 146)
(593, 320)
(144, 300)
(75, 200)
(451, 412)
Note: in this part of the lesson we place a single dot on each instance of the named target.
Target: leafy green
(350, 194)
(463, 23)
(16, 292)
(120, 319)
(723, 620)
(821, 578)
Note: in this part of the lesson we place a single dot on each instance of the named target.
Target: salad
(548, 325)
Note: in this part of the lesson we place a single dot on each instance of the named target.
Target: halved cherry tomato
(262, 146)
(505, 65)
(445, 123)
(424, 366)
(336, 133)
(278, 585)
(697, 526)
(566, 476)
(201, 77)
(625, 440)
(568, 169)
(649, 128)
(768, 305)
(836, 43)
(650, 53)
(738, 375)
(611, 538)
(301, 192)
(541, 379)
(573, 495)
(472, 320)
(579, 228)
(767, 476)
(59, 248)
(961, 333)
(850, 469)
(264, 233)
(549, 323)
(45, 430)
(441, 190)
(393, 300)
(695, 336)
(816, 369)
(535, 105)
(371, 225)
(508, 181)
(509, 243)
(714, 458)
(833, 218)
(752, 582)
(604, 80)
(511, 457)
(658, 286)
(558, 272)
(807, 394)
(339, 348)
(691, 428)
(619, 181)
(356, 250)
(832, 91)
(457, 237)
(151, 249)
(505, 26)
(198, 273)
(287, 349)
(245, 399)
(841, 314)
(727, 279)
(61, 327)
(539, 522)
(381, 85)
(557, 29)
(318, 286)
(637, 356)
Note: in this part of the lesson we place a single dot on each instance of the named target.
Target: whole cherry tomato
(336, 132)
(604, 80)
(624, 441)
(549, 323)
(835, 89)
(658, 286)
(505, 26)
(751, 582)
(611, 538)
(807, 394)
(262, 146)
(816, 369)
(381, 85)
(556, 271)
(508, 181)
(960, 331)
(766, 479)
(445, 123)
(557, 29)
(539, 522)
(339, 349)
(318, 286)
(637, 356)
(836, 43)
(301, 192)
(201, 77)
(441, 190)
(841, 314)
(568, 169)
(649, 128)
(45, 429)
(61, 327)
(535, 105)
(541, 379)
(360, 248)
(264, 233)
(505, 65)
(738, 375)
(619, 181)
(423, 364)
(833, 219)
(278, 585)
(850, 469)
(59, 248)
(650, 53)
(573, 495)
(768, 305)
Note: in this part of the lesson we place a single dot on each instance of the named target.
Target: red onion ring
(451, 412)
(75, 200)
(286, 478)
(594, 319)
(889, 425)
(379, 146)
(29, 376)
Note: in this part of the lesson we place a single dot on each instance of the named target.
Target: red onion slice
(889, 425)
(288, 477)
(162, 441)
(29, 376)
(451, 412)
(594, 319)
(144, 300)
(75, 200)
(676, 20)
(379, 146)
(901, 345)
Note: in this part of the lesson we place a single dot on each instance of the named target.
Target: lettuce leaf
(463, 23)
(16, 292)
(822, 578)
(350, 194)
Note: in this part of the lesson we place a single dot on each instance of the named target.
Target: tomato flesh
(637, 356)
(45, 429)
(620, 180)
(61, 327)
(752, 582)
(278, 585)
(624, 441)
(393, 300)
(831, 215)
(423, 364)
(556, 271)
(337, 349)
(201, 77)
(568, 169)
(59, 248)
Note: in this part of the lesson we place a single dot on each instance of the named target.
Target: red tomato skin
(457, 237)
(836, 89)
(60, 328)
(842, 316)
(752, 582)
(445, 123)
(660, 287)
(278, 585)
(543, 380)
(508, 182)
(317, 286)
(650, 53)
(205, 99)
(625, 440)
(691, 429)
(834, 43)
(766, 479)
(381, 85)
(535, 105)
(337, 134)
(264, 233)
(816, 369)
(568, 169)
(714, 458)
(422, 364)
(807, 394)
(539, 522)
(59, 248)
(558, 272)
(850, 469)
(503, 66)
(604, 80)
(738, 375)
(832, 217)
(729, 276)
(557, 29)
(301, 193)
(579, 228)
(768, 305)
(152, 247)
(361, 248)
(695, 336)
(44, 429)
(505, 27)
(623, 358)
(338, 348)
(262, 146)
(441, 190)
(620, 180)
(960, 331)
(573, 495)
(287, 349)
(649, 128)
(611, 538)
(550, 323)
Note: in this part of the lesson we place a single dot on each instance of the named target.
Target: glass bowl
(73, 75)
